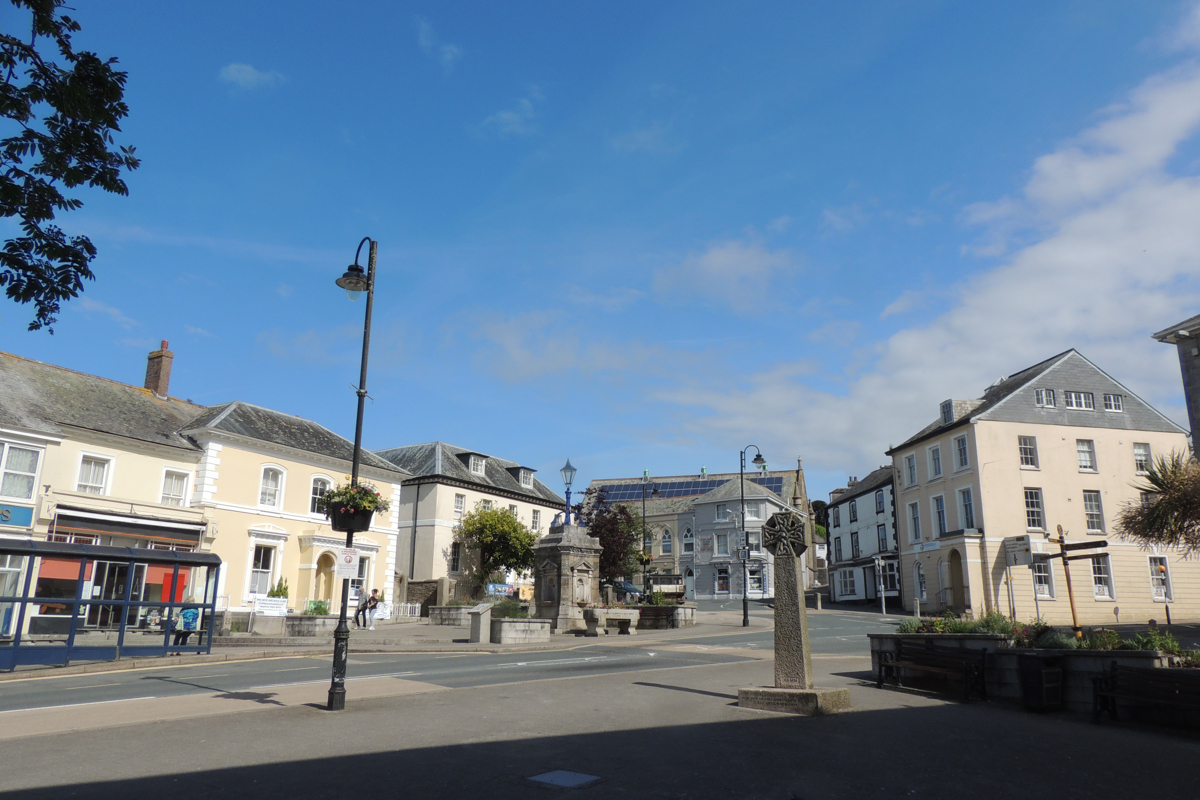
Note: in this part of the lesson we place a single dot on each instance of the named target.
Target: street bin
(1041, 682)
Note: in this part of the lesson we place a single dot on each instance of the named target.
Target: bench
(970, 665)
(1179, 688)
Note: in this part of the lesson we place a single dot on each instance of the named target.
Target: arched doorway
(689, 585)
(325, 569)
(958, 600)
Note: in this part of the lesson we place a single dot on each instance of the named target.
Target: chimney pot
(158, 370)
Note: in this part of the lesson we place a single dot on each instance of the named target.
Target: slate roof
(40, 397)
(731, 491)
(438, 459)
(287, 430)
(992, 396)
(880, 477)
(1168, 335)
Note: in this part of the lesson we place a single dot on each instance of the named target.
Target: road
(831, 633)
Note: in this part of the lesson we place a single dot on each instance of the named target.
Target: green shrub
(909, 625)
(657, 599)
(317, 608)
(508, 608)
(994, 622)
(1153, 640)
(1026, 635)
(1190, 659)
(1100, 639)
(1055, 640)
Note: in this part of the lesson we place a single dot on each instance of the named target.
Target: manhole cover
(564, 779)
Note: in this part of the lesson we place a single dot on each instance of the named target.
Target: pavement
(665, 731)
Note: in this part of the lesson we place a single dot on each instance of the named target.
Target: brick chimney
(158, 370)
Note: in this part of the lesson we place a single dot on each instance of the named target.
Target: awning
(100, 524)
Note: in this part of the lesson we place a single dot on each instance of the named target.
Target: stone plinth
(566, 576)
(519, 631)
(481, 622)
(804, 702)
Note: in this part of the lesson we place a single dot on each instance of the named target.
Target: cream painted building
(1059, 443)
(89, 460)
(448, 481)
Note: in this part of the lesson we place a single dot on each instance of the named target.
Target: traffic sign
(1017, 551)
(743, 553)
(347, 563)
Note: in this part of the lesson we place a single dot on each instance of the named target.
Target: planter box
(520, 631)
(1003, 668)
(661, 617)
(450, 615)
(347, 521)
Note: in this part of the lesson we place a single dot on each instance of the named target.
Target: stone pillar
(566, 576)
(785, 536)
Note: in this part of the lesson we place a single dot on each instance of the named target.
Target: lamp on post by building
(646, 555)
(355, 282)
(761, 463)
(568, 476)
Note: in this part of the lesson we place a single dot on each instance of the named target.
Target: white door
(689, 585)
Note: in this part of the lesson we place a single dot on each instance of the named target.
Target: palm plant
(1169, 514)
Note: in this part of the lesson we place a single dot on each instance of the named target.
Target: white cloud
(843, 219)
(648, 140)
(447, 54)
(1187, 35)
(1112, 254)
(115, 314)
(616, 300)
(909, 300)
(325, 347)
(735, 274)
(192, 329)
(520, 120)
(780, 224)
(247, 77)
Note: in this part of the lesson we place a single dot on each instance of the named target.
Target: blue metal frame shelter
(79, 602)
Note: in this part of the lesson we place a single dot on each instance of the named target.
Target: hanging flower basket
(346, 520)
(350, 508)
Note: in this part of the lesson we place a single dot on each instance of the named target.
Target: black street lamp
(761, 463)
(646, 556)
(568, 476)
(355, 282)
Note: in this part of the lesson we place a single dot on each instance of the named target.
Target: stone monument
(785, 536)
(566, 576)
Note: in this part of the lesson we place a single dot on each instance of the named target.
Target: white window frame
(846, 583)
(1160, 582)
(1044, 590)
(1079, 401)
(535, 520)
(1044, 398)
(455, 566)
(937, 511)
(689, 541)
(1085, 449)
(5, 448)
(486, 505)
(837, 549)
(364, 575)
(966, 509)
(754, 510)
(722, 512)
(880, 505)
(460, 506)
(1040, 508)
(854, 510)
(722, 572)
(187, 480)
(855, 548)
(910, 468)
(947, 410)
(478, 464)
(962, 457)
(889, 576)
(1142, 465)
(527, 478)
(919, 586)
(1114, 402)
(110, 463)
(882, 537)
(1090, 513)
(1027, 447)
(512, 509)
(934, 454)
(312, 493)
(255, 572)
(835, 519)
(722, 544)
(1104, 573)
(262, 477)
(914, 522)
(667, 546)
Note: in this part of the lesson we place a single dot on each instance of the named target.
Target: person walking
(372, 602)
(361, 612)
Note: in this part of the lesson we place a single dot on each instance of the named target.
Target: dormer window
(477, 463)
(947, 412)
(527, 478)
(1044, 398)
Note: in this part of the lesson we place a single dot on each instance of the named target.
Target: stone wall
(520, 631)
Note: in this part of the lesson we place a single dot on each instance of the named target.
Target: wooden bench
(970, 665)
(1179, 688)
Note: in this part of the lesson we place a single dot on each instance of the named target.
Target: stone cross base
(805, 702)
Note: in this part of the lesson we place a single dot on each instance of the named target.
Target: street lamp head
(654, 491)
(760, 462)
(354, 281)
(568, 474)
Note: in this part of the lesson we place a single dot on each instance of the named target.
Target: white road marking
(77, 705)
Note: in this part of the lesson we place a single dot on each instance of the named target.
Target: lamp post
(646, 557)
(568, 476)
(761, 463)
(355, 282)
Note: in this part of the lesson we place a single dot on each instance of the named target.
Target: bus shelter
(64, 602)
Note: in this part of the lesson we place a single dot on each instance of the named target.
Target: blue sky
(642, 235)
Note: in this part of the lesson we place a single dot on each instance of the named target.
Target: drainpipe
(412, 556)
